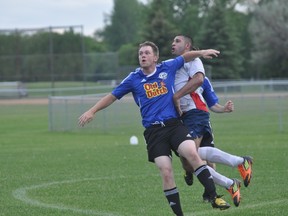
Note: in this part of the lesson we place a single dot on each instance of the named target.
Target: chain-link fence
(261, 104)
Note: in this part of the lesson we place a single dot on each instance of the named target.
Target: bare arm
(208, 54)
(218, 108)
(101, 104)
(188, 88)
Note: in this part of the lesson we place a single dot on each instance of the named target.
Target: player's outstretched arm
(101, 104)
(207, 54)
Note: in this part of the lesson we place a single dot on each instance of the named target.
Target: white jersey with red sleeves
(194, 100)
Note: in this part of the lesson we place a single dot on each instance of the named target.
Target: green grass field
(46, 173)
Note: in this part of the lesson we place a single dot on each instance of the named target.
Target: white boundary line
(239, 209)
(21, 194)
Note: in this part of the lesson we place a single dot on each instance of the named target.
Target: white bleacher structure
(12, 90)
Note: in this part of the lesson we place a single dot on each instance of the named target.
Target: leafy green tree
(186, 16)
(44, 55)
(123, 25)
(158, 27)
(92, 45)
(219, 32)
(9, 64)
(128, 54)
(269, 32)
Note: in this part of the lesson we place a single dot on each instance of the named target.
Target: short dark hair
(152, 45)
(189, 39)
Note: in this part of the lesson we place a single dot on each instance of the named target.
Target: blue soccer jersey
(153, 93)
(208, 93)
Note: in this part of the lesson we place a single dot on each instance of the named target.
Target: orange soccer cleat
(245, 170)
(234, 190)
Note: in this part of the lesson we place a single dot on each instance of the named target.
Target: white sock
(220, 179)
(215, 155)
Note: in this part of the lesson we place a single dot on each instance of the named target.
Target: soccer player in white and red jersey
(194, 90)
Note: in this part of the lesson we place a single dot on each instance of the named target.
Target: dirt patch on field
(37, 101)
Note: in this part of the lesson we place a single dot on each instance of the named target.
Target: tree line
(251, 35)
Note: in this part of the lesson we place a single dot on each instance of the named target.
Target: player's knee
(187, 147)
(166, 173)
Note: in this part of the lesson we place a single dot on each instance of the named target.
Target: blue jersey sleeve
(208, 93)
(124, 87)
(174, 64)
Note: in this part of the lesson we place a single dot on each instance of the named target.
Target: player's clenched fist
(229, 106)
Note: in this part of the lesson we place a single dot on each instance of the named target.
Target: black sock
(173, 198)
(206, 180)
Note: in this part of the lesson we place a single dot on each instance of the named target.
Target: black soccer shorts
(162, 140)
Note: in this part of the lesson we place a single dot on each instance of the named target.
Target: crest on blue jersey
(163, 75)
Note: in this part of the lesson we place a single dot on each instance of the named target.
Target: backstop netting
(42, 54)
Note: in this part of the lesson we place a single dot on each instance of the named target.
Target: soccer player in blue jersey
(152, 86)
(193, 90)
